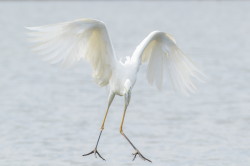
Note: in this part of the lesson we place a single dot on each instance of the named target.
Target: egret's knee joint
(121, 131)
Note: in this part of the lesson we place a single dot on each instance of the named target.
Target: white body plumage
(123, 83)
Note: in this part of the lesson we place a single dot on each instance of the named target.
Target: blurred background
(51, 116)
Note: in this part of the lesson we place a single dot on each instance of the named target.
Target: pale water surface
(50, 116)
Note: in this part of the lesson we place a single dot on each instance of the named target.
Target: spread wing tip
(165, 59)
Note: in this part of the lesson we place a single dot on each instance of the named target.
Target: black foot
(141, 156)
(95, 152)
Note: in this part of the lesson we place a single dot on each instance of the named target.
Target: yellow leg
(127, 100)
(124, 113)
(121, 130)
(103, 122)
(137, 152)
(111, 97)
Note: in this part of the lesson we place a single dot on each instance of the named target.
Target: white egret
(68, 42)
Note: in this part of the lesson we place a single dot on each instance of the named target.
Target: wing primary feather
(166, 60)
(69, 42)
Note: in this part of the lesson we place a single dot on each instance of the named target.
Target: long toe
(88, 153)
(100, 155)
(95, 152)
(141, 156)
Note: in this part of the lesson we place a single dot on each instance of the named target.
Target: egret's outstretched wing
(166, 59)
(69, 42)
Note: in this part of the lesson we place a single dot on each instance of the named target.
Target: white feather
(164, 60)
(69, 42)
